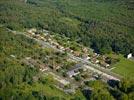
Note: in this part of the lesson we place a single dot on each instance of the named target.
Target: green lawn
(124, 67)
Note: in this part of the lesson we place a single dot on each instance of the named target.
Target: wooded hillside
(105, 25)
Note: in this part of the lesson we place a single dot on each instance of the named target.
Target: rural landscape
(66, 50)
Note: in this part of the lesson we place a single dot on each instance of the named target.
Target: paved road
(107, 76)
(89, 65)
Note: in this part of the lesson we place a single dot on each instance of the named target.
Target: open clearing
(124, 67)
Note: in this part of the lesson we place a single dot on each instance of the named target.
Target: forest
(104, 25)
(21, 81)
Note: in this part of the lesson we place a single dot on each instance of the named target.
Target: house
(67, 49)
(95, 54)
(56, 44)
(49, 40)
(45, 31)
(107, 65)
(57, 67)
(72, 73)
(42, 38)
(85, 50)
(32, 31)
(45, 34)
(86, 57)
(97, 61)
(129, 56)
(37, 36)
(62, 48)
(43, 69)
(104, 64)
(28, 58)
(13, 56)
(71, 51)
(76, 53)
(75, 70)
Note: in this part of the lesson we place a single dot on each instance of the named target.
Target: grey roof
(75, 68)
(71, 73)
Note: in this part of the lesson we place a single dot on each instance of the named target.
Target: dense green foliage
(124, 66)
(20, 81)
(120, 90)
(105, 25)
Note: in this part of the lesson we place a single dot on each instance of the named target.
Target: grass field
(50, 90)
(124, 67)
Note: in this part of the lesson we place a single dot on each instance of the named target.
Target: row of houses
(85, 52)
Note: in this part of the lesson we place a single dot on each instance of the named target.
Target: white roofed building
(129, 56)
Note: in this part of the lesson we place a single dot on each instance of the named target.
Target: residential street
(106, 73)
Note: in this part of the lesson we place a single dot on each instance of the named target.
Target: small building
(42, 38)
(104, 64)
(129, 56)
(45, 31)
(71, 51)
(97, 61)
(43, 69)
(75, 70)
(61, 48)
(107, 65)
(72, 73)
(37, 36)
(86, 57)
(76, 53)
(33, 30)
(49, 39)
(13, 56)
(85, 50)
(55, 43)
(67, 49)
(28, 58)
